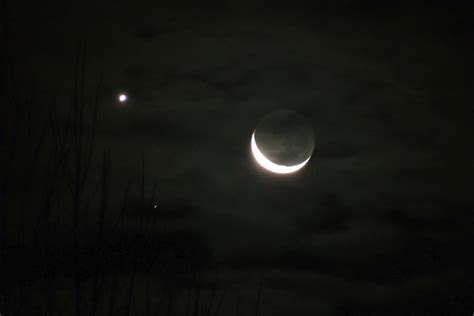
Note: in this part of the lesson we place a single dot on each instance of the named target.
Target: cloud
(381, 214)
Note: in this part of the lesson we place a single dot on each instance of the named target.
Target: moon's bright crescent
(270, 165)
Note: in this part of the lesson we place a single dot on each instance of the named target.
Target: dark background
(169, 214)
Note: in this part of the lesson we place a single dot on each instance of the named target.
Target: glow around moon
(270, 165)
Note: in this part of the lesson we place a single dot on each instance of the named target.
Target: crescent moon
(270, 165)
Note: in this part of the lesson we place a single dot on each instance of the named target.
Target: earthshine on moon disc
(282, 142)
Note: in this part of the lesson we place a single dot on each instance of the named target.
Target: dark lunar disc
(285, 138)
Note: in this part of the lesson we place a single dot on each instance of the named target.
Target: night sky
(379, 222)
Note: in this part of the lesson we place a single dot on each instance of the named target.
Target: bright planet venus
(122, 98)
(282, 142)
